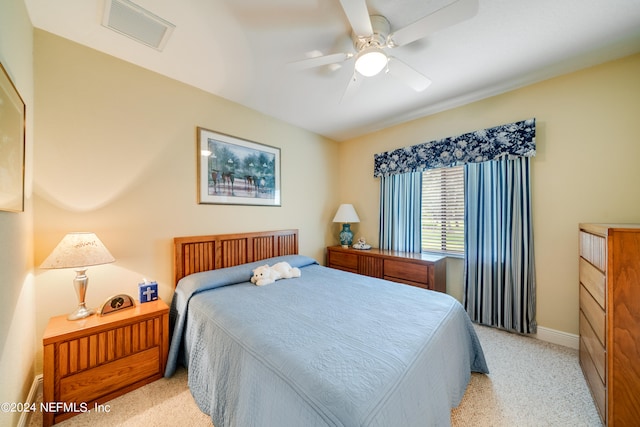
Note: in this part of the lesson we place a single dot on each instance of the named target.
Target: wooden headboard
(202, 253)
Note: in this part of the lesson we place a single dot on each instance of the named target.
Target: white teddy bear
(264, 274)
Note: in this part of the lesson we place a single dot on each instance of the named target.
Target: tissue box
(148, 291)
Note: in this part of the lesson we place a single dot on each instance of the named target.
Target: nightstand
(90, 361)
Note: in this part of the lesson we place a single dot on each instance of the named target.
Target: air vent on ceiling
(133, 21)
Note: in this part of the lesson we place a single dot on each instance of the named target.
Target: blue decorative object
(148, 291)
(346, 236)
(513, 139)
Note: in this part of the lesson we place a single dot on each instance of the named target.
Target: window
(443, 210)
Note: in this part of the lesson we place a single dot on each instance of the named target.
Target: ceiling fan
(372, 38)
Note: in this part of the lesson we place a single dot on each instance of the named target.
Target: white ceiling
(238, 49)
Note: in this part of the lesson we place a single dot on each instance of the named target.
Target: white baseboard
(36, 387)
(558, 337)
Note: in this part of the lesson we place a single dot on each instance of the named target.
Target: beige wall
(18, 341)
(586, 168)
(117, 156)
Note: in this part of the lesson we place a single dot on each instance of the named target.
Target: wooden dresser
(425, 271)
(90, 361)
(610, 319)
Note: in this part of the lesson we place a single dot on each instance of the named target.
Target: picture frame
(236, 171)
(12, 145)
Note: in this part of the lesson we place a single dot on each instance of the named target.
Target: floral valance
(513, 139)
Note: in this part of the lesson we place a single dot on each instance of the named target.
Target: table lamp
(79, 251)
(346, 215)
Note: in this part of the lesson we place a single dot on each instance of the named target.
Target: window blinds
(443, 210)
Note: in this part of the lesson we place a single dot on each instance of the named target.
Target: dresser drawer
(407, 271)
(594, 281)
(594, 314)
(91, 384)
(594, 249)
(597, 387)
(344, 261)
(593, 346)
(407, 282)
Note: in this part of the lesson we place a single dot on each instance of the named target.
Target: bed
(328, 348)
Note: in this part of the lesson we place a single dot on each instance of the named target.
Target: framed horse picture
(236, 171)
(12, 143)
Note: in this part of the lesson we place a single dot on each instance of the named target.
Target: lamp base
(81, 312)
(346, 236)
(80, 283)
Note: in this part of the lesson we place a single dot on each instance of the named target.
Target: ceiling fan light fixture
(371, 61)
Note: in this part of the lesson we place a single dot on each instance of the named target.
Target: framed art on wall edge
(12, 142)
(236, 171)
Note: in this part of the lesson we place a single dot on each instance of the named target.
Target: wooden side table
(91, 361)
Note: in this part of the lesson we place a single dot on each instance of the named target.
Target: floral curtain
(513, 139)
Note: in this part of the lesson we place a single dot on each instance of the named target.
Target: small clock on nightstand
(116, 303)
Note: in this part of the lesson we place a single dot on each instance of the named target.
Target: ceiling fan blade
(352, 87)
(358, 16)
(408, 75)
(449, 15)
(319, 61)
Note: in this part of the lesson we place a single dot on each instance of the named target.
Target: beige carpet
(532, 383)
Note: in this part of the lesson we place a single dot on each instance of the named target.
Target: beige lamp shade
(346, 214)
(78, 250)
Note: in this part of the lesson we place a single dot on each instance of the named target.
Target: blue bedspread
(329, 348)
